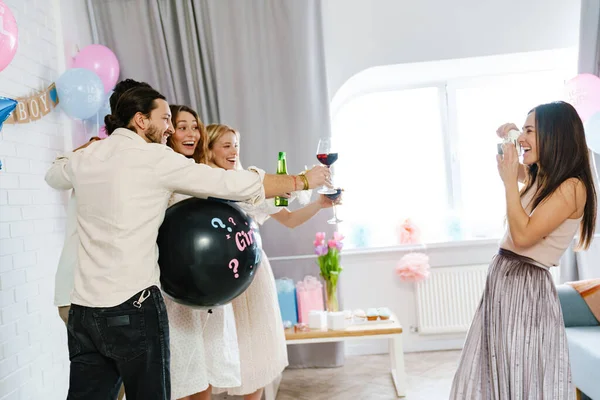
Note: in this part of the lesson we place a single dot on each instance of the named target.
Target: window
(394, 133)
(426, 150)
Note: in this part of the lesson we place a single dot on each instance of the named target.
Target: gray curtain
(586, 264)
(258, 66)
(589, 37)
(165, 43)
(272, 87)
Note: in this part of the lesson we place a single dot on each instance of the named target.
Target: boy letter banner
(34, 107)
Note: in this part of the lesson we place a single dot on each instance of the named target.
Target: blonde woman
(261, 338)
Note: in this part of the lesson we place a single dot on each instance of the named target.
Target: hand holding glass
(326, 155)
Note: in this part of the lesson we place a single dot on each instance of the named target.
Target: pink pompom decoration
(409, 233)
(413, 267)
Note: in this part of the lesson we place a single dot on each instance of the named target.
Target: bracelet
(304, 181)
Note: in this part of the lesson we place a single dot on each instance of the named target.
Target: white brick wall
(33, 349)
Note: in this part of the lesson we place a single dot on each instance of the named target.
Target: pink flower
(409, 233)
(338, 237)
(332, 243)
(321, 250)
(319, 239)
(339, 246)
(413, 267)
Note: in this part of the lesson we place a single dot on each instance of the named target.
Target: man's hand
(92, 140)
(318, 176)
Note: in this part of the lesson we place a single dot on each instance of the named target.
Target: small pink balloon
(102, 132)
(102, 61)
(583, 93)
(9, 36)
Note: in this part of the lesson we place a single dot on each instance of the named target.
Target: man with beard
(68, 257)
(118, 327)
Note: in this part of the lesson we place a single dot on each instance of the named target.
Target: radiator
(448, 299)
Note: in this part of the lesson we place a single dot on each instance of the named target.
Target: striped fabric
(516, 348)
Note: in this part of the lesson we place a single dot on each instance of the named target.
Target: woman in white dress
(260, 333)
(204, 346)
(204, 349)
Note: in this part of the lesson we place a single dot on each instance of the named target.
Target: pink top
(550, 249)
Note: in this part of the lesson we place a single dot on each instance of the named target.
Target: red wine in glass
(327, 155)
(327, 158)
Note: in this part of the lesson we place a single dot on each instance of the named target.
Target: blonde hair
(214, 133)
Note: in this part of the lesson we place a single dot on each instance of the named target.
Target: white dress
(260, 332)
(204, 347)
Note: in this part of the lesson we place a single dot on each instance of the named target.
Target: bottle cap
(281, 155)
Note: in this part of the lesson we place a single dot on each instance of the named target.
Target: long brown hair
(563, 154)
(201, 153)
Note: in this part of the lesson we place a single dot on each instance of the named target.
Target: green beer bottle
(281, 170)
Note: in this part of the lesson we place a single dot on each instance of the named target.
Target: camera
(511, 137)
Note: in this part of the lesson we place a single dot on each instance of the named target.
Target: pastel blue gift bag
(286, 294)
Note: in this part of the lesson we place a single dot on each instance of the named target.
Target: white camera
(511, 137)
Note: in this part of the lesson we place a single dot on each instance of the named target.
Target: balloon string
(84, 130)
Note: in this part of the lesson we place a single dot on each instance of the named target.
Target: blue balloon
(592, 132)
(80, 92)
(103, 111)
(6, 107)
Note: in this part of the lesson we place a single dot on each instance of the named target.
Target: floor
(429, 377)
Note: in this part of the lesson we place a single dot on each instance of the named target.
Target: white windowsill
(404, 248)
(410, 247)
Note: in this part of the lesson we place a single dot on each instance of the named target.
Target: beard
(154, 134)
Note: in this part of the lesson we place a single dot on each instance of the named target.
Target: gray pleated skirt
(516, 348)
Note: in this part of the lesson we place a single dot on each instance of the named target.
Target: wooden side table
(391, 331)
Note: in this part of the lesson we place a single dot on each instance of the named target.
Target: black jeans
(127, 343)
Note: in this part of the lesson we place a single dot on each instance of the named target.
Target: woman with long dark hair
(517, 347)
(189, 134)
(204, 347)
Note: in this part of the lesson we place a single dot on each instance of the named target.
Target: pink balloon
(102, 61)
(583, 93)
(9, 36)
(102, 132)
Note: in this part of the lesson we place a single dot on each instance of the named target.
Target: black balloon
(209, 251)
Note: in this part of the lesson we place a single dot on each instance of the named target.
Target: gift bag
(309, 294)
(286, 295)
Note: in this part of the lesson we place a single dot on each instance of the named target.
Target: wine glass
(333, 197)
(326, 155)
